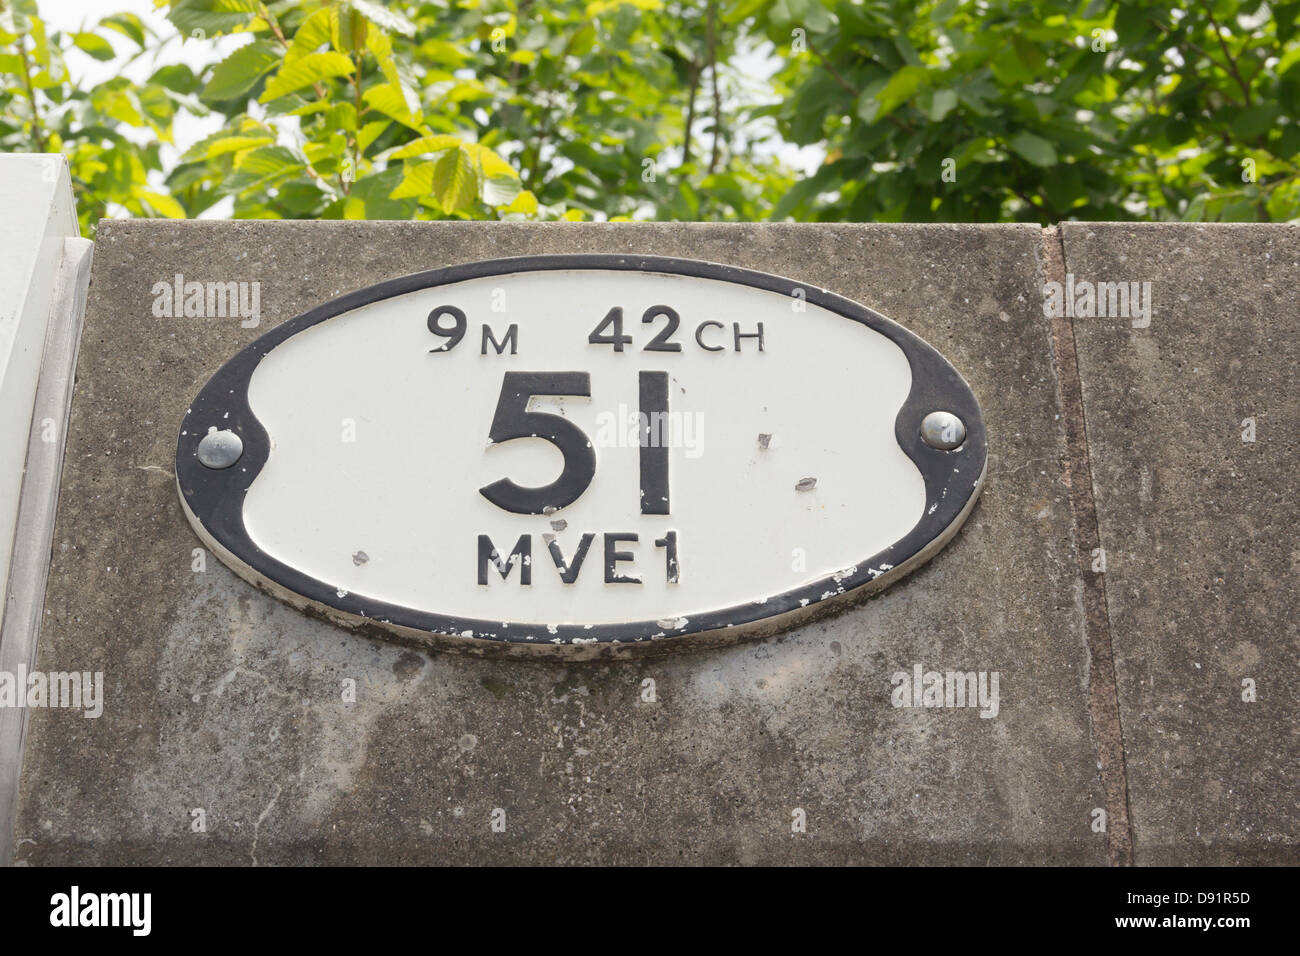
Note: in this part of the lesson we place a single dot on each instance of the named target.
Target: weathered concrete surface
(1199, 529)
(221, 698)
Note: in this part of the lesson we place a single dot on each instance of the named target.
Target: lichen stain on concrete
(497, 688)
(408, 665)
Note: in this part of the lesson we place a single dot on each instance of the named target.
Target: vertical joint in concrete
(1103, 693)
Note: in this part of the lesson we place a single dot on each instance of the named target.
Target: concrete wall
(1121, 695)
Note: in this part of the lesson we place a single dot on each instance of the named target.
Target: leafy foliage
(327, 116)
(1031, 110)
(111, 134)
(1040, 111)
(402, 110)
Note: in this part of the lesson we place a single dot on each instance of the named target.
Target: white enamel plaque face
(559, 451)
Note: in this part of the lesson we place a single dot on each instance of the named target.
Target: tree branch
(717, 100)
(1232, 63)
(37, 134)
(848, 88)
(690, 112)
(1203, 52)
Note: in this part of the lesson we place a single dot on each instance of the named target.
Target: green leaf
(262, 166)
(500, 190)
(1242, 211)
(455, 182)
(176, 77)
(426, 144)
(348, 29)
(417, 181)
(390, 101)
(208, 18)
(382, 16)
(219, 144)
(374, 194)
(819, 94)
(1287, 18)
(240, 71)
(1033, 148)
(525, 203)
(1010, 69)
(943, 103)
(498, 182)
(371, 132)
(1195, 209)
(900, 88)
(1064, 187)
(95, 45)
(311, 36)
(1030, 55)
(491, 178)
(127, 24)
(305, 71)
(120, 103)
(309, 109)
(300, 197)
(802, 191)
(1250, 122)
(269, 160)
(1288, 61)
(162, 204)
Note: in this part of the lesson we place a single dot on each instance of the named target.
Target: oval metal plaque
(580, 451)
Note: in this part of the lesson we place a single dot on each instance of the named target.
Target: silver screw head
(220, 449)
(943, 430)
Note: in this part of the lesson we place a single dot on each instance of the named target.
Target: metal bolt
(943, 430)
(220, 449)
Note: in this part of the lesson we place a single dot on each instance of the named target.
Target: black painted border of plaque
(214, 498)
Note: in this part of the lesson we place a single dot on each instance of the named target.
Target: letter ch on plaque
(594, 449)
